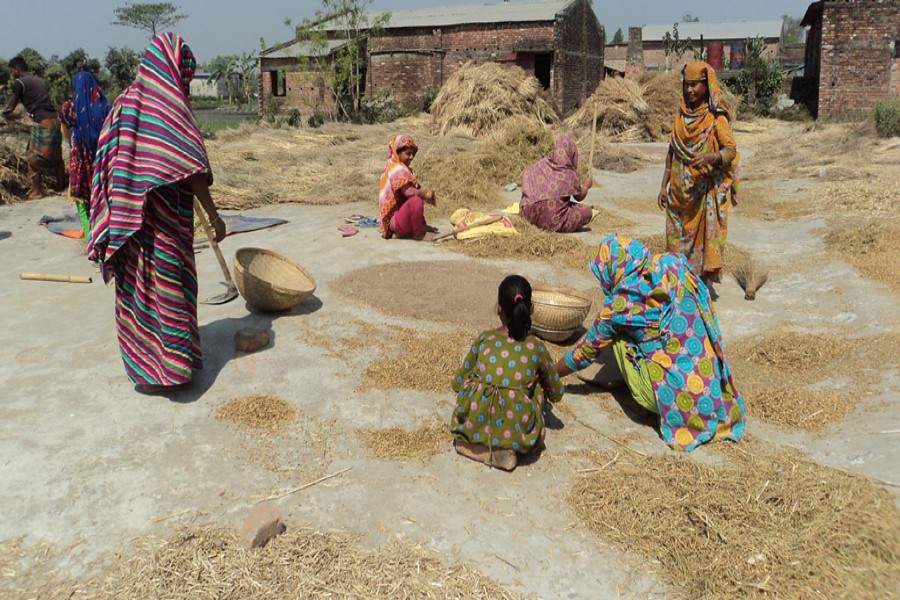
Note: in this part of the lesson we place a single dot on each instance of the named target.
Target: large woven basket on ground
(553, 335)
(558, 309)
(269, 281)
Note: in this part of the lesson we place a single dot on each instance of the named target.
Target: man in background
(44, 149)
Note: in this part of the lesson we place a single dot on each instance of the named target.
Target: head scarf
(554, 177)
(91, 108)
(694, 131)
(700, 71)
(396, 175)
(661, 306)
(150, 139)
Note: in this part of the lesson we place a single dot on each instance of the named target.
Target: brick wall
(858, 63)
(655, 54)
(409, 63)
(304, 90)
(578, 55)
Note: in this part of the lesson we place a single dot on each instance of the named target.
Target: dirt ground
(89, 465)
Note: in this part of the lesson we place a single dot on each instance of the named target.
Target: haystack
(500, 159)
(478, 99)
(13, 166)
(620, 107)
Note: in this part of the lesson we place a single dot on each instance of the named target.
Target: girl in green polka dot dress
(502, 385)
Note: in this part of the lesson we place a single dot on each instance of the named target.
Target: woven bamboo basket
(269, 281)
(558, 309)
(553, 335)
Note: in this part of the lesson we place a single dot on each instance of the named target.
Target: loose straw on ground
(766, 519)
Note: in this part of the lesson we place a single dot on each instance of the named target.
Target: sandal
(348, 230)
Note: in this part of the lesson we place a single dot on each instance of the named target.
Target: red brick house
(560, 42)
(852, 56)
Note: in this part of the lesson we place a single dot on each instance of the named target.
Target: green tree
(690, 19)
(122, 64)
(79, 60)
(759, 82)
(793, 32)
(342, 70)
(148, 16)
(673, 44)
(619, 36)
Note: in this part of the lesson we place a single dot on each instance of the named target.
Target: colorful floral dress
(662, 311)
(501, 389)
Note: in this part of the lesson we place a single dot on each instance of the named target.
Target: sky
(216, 27)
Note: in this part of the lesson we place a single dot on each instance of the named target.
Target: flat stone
(263, 523)
(251, 339)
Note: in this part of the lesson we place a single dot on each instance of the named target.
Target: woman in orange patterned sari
(701, 174)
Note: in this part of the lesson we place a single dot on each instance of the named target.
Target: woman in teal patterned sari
(660, 322)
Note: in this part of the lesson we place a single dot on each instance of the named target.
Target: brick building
(852, 56)
(560, 42)
(648, 41)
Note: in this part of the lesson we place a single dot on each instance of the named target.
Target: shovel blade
(223, 298)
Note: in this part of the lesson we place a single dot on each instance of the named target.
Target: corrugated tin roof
(716, 31)
(465, 14)
(300, 48)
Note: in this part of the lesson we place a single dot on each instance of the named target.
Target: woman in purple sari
(552, 191)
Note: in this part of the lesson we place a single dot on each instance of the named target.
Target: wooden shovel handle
(210, 234)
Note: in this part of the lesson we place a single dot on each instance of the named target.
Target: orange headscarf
(396, 175)
(694, 131)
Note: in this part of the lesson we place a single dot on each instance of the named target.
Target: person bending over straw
(701, 174)
(400, 198)
(548, 187)
(502, 385)
(658, 317)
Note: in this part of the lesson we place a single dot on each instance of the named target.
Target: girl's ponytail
(514, 298)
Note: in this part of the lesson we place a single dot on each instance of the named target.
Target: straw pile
(848, 154)
(14, 183)
(765, 523)
(618, 158)
(662, 91)
(478, 99)
(788, 378)
(255, 165)
(266, 413)
(419, 361)
(620, 108)
(643, 109)
(499, 159)
(395, 443)
(535, 244)
(872, 248)
(209, 563)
